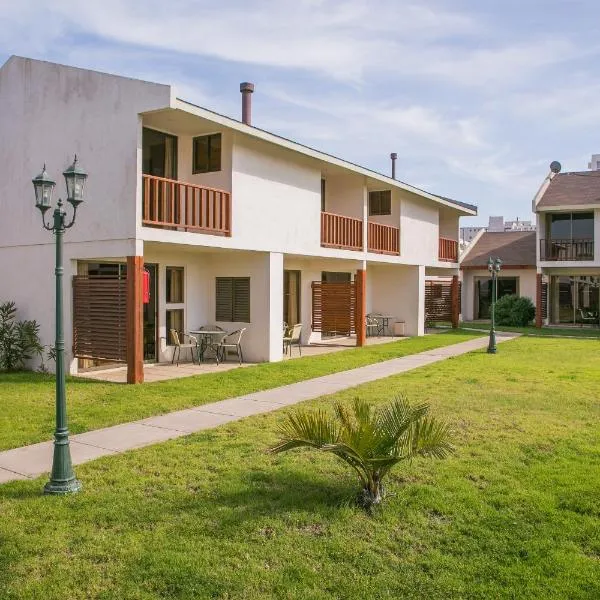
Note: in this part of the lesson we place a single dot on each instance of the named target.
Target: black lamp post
(62, 479)
(494, 268)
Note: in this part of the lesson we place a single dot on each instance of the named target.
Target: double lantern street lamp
(62, 479)
(494, 267)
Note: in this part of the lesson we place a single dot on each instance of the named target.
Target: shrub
(19, 340)
(370, 440)
(514, 311)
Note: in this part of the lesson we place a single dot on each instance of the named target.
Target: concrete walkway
(35, 460)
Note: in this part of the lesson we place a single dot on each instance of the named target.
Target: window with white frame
(175, 301)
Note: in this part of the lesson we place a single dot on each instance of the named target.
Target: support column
(455, 300)
(538, 300)
(135, 325)
(360, 282)
(274, 314)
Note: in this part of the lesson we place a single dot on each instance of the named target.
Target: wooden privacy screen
(438, 300)
(99, 317)
(334, 307)
(544, 306)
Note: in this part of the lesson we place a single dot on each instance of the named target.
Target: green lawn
(514, 514)
(578, 332)
(27, 414)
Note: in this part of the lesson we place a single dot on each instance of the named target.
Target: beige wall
(344, 195)
(419, 230)
(526, 286)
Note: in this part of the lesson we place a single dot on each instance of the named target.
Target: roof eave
(236, 125)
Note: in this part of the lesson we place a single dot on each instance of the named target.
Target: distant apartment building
(495, 225)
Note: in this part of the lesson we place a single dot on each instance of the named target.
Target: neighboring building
(568, 259)
(225, 223)
(516, 250)
(495, 225)
(594, 163)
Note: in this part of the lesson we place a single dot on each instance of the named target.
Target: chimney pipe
(247, 89)
(393, 156)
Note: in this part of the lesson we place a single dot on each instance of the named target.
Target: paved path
(32, 461)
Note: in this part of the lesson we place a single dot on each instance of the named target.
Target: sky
(476, 97)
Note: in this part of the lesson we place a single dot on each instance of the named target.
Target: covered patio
(165, 371)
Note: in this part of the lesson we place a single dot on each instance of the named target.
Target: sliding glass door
(575, 300)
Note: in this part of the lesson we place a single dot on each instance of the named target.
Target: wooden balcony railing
(338, 231)
(448, 250)
(566, 250)
(172, 204)
(383, 239)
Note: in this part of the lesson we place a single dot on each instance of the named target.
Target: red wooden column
(360, 281)
(538, 300)
(134, 329)
(455, 300)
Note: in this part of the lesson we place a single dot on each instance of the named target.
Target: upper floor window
(323, 192)
(159, 154)
(207, 153)
(572, 226)
(380, 203)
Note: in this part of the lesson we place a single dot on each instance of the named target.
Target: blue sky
(476, 97)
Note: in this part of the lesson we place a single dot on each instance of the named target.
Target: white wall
(276, 199)
(526, 286)
(419, 231)
(47, 114)
(344, 195)
(398, 291)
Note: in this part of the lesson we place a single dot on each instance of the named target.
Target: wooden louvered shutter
(241, 300)
(224, 299)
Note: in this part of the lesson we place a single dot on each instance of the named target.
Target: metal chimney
(247, 89)
(393, 156)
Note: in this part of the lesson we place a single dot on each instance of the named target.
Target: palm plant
(371, 440)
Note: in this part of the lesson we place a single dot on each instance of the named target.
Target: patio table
(385, 321)
(208, 341)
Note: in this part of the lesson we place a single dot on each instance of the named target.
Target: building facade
(567, 208)
(221, 223)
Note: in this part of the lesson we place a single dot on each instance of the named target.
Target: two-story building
(218, 221)
(567, 206)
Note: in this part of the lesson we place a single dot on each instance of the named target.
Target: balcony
(568, 250)
(180, 206)
(341, 232)
(448, 250)
(383, 239)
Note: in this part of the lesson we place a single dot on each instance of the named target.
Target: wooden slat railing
(173, 204)
(448, 250)
(383, 239)
(566, 249)
(338, 231)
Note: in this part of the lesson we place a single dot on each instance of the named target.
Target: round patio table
(209, 340)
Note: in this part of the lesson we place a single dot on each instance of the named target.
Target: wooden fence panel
(99, 317)
(334, 307)
(438, 301)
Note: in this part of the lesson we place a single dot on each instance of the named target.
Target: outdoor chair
(231, 342)
(293, 339)
(587, 316)
(374, 326)
(176, 340)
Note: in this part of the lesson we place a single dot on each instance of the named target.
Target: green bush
(514, 311)
(19, 340)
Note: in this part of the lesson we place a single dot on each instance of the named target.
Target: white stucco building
(228, 224)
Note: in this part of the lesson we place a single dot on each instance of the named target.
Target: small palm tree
(370, 440)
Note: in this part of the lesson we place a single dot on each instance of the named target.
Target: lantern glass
(75, 178)
(43, 187)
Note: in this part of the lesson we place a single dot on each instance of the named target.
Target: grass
(514, 514)
(27, 414)
(577, 332)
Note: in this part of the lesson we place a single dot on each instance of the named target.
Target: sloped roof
(572, 189)
(513, 248)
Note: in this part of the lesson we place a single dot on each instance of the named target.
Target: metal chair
(293, 339)
(176, 341)
(232, 341)
(374, 326)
